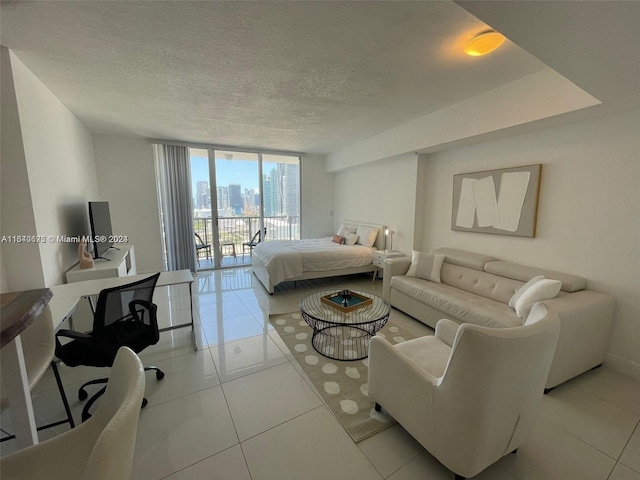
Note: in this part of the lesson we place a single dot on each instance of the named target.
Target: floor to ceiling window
(255, 197)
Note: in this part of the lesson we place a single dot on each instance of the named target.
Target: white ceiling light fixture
(484, 43)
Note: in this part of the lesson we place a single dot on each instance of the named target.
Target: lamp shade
(484, 43)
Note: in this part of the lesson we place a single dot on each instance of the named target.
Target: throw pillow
(426, 266)
(367, 235)
(519, 292)
(544, 289)
(344, 229)
(350, 239)
(338, 239)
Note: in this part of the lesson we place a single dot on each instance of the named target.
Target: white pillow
(426, 266)
(544, 289)
(519, 292)
(350, 239)
(344, 229)
(367, 235)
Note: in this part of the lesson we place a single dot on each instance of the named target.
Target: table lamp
(388, 233)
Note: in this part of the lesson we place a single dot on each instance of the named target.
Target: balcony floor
(205, 263)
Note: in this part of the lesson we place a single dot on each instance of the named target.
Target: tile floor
(239, 407)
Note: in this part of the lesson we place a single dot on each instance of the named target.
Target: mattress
(288, 259)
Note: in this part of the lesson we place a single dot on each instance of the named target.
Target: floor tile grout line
(600, 397)
(199, 461)
(633, 432)
(580, 439)
(246, 462)
(282, 423)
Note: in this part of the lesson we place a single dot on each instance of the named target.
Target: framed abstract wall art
(503, 201)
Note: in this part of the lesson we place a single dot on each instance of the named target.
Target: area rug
(343, 384)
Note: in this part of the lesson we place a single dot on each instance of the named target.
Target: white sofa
(477, 288)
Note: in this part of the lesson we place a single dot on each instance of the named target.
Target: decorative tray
(346, 300)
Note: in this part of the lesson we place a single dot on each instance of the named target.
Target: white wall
(588, 218)
(21, 266)
(317, 197)
(382, 192)
(127, 180)
(58, 151)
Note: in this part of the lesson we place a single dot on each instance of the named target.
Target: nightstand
(379, 256)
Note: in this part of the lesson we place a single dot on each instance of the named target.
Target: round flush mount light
(484, 43)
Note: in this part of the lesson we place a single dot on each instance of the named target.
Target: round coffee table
(340, 334)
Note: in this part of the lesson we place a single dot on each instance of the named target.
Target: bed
(278, 261)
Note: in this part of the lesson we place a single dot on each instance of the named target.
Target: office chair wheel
(159, 375)
(82, 394)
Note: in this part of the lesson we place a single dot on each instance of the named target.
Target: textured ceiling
(299, 76)
(308, 76)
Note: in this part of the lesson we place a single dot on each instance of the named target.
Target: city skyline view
(241, 172)
(238, 184)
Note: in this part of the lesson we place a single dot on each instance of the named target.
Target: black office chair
(124, 316)
(259, 236)
(202, 247)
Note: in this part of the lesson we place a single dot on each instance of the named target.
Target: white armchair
(469, 394)
(100, 448)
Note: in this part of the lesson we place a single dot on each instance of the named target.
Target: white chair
(38, 346)
(469, 394)
(100, 448)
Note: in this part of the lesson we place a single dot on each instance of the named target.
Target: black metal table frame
(345, 340)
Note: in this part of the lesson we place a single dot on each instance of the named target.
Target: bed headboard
(380, 240)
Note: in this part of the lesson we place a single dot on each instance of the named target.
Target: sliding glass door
(256, 197)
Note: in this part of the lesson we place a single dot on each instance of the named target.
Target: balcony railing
(237, 230)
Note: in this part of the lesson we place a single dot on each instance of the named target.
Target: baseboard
(623, 366)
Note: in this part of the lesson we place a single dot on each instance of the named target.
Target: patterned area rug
(344, 384)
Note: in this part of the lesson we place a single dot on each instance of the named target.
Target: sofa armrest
(446, 330)
(393, 266)
(585, 322)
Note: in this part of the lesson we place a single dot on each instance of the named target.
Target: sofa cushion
(457, 304)
(523, 273)
(426, 266)
(464, 259)
(544, 289)
(488, 285)
(521, 291)
(429, 352)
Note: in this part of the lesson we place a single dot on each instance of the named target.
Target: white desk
(60, 307)
(90, 288)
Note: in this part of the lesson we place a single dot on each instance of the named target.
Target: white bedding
(288, 259)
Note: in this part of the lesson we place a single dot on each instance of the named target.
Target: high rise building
(235, 198)
(290, 174)
(223, 197)
(203, 195)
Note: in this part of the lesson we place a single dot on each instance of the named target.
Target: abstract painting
(503, 201)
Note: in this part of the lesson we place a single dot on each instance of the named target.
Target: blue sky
(227, 172)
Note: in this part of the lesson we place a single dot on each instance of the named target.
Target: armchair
(99, 449)
(469, 393)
